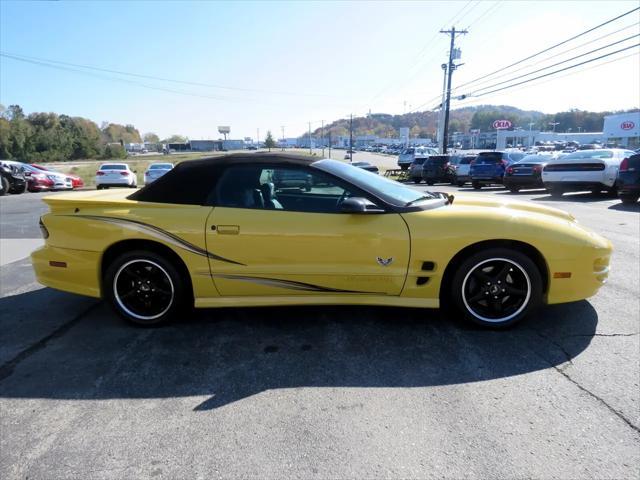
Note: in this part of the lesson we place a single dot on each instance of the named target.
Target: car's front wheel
(144, 288)
(628, 199)
(496, 288)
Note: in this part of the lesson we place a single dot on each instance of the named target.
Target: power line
(558, 71)
(556, 55)
(556, 64)
(551, 48)
(473, 101)
(153, 77)
(486, 12)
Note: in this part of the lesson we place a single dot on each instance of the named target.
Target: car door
(288, 239)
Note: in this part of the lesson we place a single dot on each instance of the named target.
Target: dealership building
(622, 129)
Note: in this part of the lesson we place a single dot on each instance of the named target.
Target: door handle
(228, 229)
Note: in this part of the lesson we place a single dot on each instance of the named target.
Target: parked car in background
(155, 171)
(366, 166)
(629, 179)
(76, 181)
(488, 168)
(436, 169)
(291, 179)
(12, 179)
(459, 166)
(41, 180)
(115, 175)
(526, 173)
(415, 169)
(593, 170)
(408, 155)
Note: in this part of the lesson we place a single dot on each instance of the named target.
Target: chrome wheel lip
(503, 319)
(121, 303)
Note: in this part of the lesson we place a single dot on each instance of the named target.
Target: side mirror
(359, 205)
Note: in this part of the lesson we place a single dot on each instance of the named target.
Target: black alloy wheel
(144, 288)
(497, 288)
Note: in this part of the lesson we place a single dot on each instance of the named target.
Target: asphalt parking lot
(323, 392)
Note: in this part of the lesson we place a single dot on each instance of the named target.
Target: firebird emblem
(383, 262)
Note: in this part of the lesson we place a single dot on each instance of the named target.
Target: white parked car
(593, 170)
(155, 171)
(115, 175)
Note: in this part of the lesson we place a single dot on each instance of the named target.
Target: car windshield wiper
(424, 197)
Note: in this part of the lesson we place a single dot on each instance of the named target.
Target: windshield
(392, 192)
(408, 151)
(113, 166)
(582, 154)
(161, 166)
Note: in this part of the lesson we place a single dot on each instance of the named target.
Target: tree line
(424, 124)
(43, 137)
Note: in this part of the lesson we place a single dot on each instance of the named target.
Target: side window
(290, 188)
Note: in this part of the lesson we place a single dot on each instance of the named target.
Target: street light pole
(351, 138)
(310, 149)
(322, 137)
(530, 138)
(554, 125)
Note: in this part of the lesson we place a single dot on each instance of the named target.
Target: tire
(135, 276)
(629, 199)
(430, 182)
(460, 184)
(19, 190)
(4, 186)
(556, 192)
(514, 189)
(595, 191)
(496, 271)
(99, 187)
(476, 185)
(417, 180)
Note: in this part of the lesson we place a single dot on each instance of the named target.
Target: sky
(267, 65)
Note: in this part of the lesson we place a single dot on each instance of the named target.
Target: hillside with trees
(424, 124)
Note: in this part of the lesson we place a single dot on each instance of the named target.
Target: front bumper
(589, 272)
(80, 273)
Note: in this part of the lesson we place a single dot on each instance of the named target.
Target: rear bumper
(578, 179)
(523, 182)
(80, 273)
(575, 186)
(485, 180)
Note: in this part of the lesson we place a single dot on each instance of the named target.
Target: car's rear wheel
(417, 180)
(476, 185)
(144, 288)
(556, 192)
(430, 182)
(497, 288)
(514, 189)
(629, 199)
(4, 186)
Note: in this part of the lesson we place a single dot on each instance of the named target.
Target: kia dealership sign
(501, 124)
(622, 125)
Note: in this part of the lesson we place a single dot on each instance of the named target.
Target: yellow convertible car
(275, 229)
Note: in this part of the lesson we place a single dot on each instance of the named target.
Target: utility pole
(310, 149)
(351, 138)
(283, 142)
(258, 140)
(530, 137)
(445, 69)
(329, 143)
(322, 137)
(452, 56)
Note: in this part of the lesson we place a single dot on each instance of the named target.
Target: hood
(518, 205)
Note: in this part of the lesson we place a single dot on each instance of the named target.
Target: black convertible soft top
(190, 182)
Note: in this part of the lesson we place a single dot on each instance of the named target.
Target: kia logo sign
(628, 125)
(499, 124)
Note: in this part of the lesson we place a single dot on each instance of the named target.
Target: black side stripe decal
(158, 233)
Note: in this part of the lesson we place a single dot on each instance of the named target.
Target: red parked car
(76, 181)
